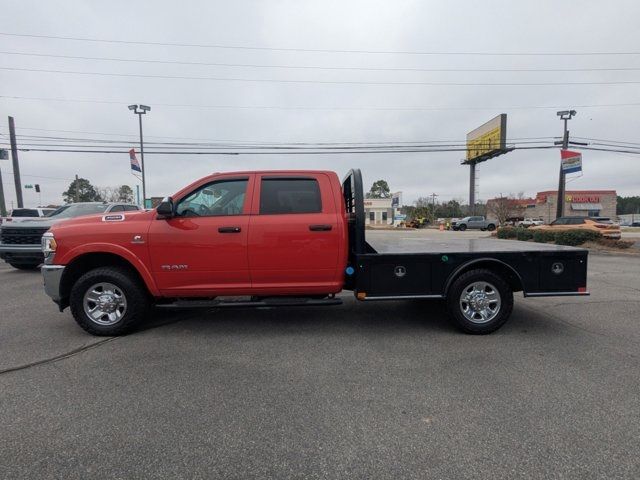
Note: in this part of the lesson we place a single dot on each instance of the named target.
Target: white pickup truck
(529, 222)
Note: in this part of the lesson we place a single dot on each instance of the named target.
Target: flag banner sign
(571, 161)
(134, 161)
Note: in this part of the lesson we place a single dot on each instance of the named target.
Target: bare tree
(503, 208)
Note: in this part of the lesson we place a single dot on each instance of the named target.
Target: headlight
(48, 244)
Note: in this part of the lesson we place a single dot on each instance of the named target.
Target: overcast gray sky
(418, 26)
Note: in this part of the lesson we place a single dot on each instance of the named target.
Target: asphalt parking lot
(376, 390)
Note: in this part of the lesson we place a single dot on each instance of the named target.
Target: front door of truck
(203, 248)
(294, 235)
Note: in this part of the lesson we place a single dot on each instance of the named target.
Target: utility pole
(472, 187)
(77, 192)
(16, 165)
(565, 116)
(143, 109)
(3, 207)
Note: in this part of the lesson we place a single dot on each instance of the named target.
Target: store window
(594, 213)
(384, 216)
(372, 217)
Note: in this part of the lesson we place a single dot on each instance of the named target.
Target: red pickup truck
(283, 238)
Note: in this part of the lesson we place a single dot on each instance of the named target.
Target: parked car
(607, 230)
(18, 215)
(529, 222)
(473, 223)
(284, 238)
(20, 241)
(635, 224)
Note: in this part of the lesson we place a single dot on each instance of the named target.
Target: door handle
(229, 229)
(320, 228)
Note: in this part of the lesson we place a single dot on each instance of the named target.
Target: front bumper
(21, 253)
(52, 275)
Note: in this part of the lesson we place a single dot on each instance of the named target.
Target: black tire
(136, 297)
(491, 227)
(463, 283)
(25, 266)
(462, 227)
(483, 229)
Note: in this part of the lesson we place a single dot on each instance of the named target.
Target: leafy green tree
(81, 190)
(628, 205)
(125, 194)
(379, 189)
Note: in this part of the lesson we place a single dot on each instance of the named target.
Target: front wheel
(479, 301)
(108, 301)
(462, 227)
(491, 227)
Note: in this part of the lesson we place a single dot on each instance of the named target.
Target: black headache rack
(423, 268)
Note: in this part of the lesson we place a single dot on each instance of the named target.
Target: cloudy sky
(432, 35)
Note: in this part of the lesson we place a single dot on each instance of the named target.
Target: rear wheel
(479, 301)
(108, 301)
(25, 266)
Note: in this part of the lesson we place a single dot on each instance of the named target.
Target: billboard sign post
(487, 141)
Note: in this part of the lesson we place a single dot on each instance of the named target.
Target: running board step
(266, 302)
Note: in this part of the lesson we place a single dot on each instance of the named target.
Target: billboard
(488, 140)
(396, 200)
(571, 161)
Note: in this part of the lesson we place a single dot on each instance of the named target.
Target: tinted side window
(290, 195)
(559, 221)
(117, 208)
(575, 221)
(128, 208)
(224, 197)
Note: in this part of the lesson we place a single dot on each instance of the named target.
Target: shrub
(544, 236)
(523, 234)
(576, 237)
(506, 232)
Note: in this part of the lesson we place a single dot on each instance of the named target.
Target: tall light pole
(565, 116)
(141, 110)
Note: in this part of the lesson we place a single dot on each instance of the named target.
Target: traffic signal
(37, 185)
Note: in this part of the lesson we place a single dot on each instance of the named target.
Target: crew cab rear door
(294, 235)
(203, 248)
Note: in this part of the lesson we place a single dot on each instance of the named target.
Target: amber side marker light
(361, 295)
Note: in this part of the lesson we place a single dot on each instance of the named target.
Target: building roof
(541, 197)
(578, 192)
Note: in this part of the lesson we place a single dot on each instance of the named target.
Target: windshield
(79, 209)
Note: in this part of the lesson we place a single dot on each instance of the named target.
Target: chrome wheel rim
(104, 303)
(480, 302)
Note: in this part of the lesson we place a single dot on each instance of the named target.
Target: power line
(329, 108)
(319, 82)
(318, 67)
(318, 50)
(231, 152)
(250, 142)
